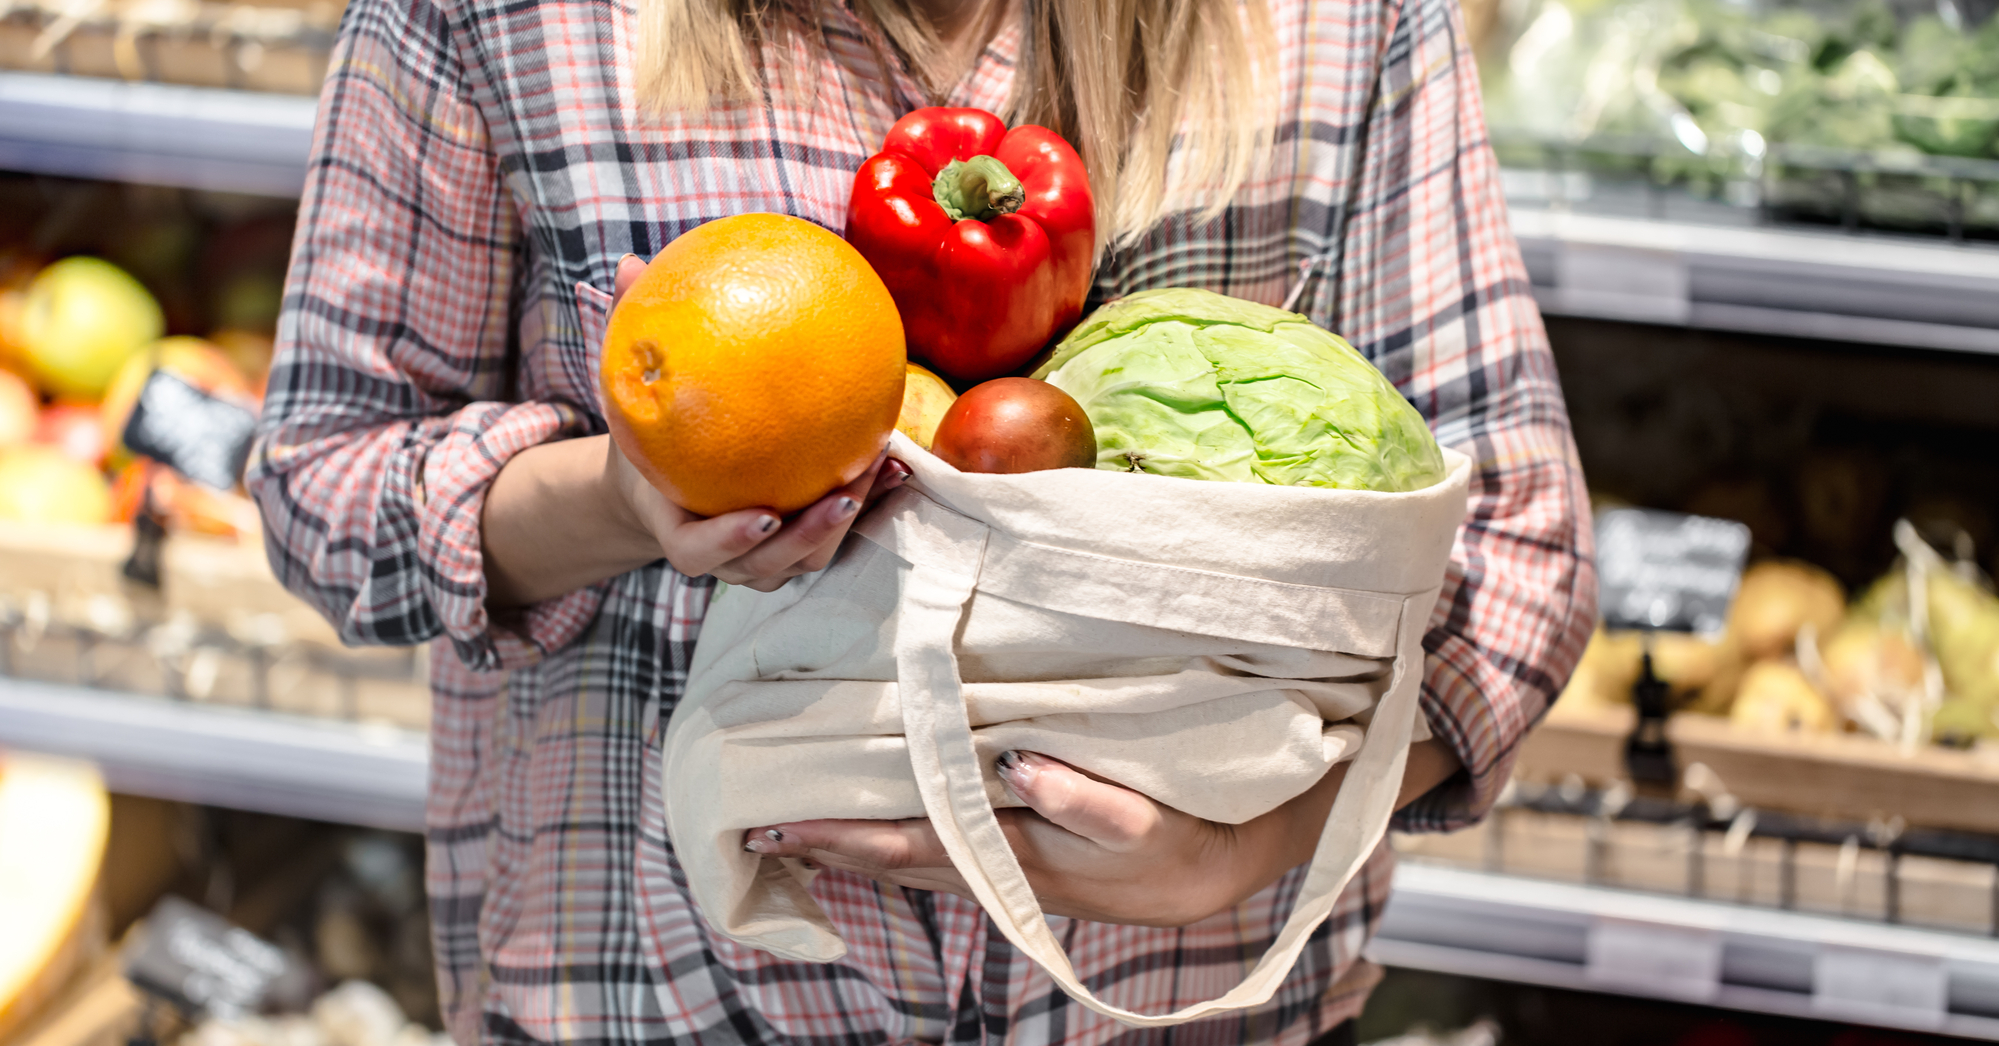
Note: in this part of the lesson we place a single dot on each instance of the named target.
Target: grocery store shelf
(1861, 288)
(266, 761)
(161, 134)
(1510, 928)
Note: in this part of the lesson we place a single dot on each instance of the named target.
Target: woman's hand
(572, 513)
(1097, 851)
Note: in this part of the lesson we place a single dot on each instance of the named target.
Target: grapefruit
(758, 362)
(81, 320)
(40, 484)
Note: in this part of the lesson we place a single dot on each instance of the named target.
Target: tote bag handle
(951, 781)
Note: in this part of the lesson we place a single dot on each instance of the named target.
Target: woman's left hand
(1094, 850)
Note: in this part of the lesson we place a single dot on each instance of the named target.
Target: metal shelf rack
(355, 773)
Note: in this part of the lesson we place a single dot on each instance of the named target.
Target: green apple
(82, 319)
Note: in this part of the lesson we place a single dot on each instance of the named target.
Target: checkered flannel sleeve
(387, 418)
(1432, 287)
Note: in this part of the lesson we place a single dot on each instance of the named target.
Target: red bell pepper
(985, 236)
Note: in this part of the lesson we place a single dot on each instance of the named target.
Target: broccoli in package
(1189, 383)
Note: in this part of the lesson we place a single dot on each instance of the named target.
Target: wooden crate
(219, 628)
(1840, 776)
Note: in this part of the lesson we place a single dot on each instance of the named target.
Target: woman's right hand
(568, 514)
(751, 547)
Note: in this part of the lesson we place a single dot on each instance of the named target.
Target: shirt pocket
(593, 314)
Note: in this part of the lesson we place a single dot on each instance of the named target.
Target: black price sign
(1668, 570)
(203, 437)
(204, 964)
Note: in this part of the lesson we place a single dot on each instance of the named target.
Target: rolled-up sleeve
(389, 410)
(1431, 286)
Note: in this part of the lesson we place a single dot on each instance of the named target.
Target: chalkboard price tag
(1668, 570)
(202, 436)
(203, 963)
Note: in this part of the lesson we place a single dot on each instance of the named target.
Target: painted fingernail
(622, 257)
(845, 507)
(1017, 769)
(898, 474)
(766, 524)
(774, 835)
(757, 846)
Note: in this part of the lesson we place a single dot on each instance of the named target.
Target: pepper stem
(980, 188)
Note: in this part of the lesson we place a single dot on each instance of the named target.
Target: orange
(758, 362)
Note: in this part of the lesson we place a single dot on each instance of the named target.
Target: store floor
(1421, 1008)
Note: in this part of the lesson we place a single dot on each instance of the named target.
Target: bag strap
(950, 778)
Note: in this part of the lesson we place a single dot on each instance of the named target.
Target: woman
(432, 467)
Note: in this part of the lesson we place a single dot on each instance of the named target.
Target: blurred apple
(81, 320)
(76, 429)
(40, 484)
(248, 350)
(19, 408)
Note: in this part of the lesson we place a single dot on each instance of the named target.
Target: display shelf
(352, 773)
(1511, 928)
(1860, 288)
(160, 134)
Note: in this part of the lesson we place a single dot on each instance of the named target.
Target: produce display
(275, 45)
(1849, 106)
(1913, 659)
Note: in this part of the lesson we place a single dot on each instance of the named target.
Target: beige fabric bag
(1216, 646)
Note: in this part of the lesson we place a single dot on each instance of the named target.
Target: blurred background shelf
(1863, 288)
(159, 134)
(1511, 928)
(363, 774)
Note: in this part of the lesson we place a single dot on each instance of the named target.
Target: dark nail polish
(1004, 761)
(774, 835)
(766, 524)
(845, 507)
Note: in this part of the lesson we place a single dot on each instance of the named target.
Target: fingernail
(774, 835)
(898, 474)
(622, 257)
(845, 507)
(757, 846)
(766, 524)
(1017, 769)
(809, 864)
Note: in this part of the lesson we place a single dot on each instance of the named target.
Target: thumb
(630, 268)
(1109, 815)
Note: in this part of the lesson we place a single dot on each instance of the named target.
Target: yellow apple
(40, 484)
(81, 320)
(925, 398)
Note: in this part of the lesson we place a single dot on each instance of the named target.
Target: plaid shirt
(477, 160)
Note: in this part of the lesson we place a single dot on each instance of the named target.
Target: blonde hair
(1125, 81)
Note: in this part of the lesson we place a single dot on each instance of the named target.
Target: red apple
(1015, 425)
(76, 430)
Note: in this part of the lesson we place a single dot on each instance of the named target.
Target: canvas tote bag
(1215, 646)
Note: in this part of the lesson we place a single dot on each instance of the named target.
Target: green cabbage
(1189, 383)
